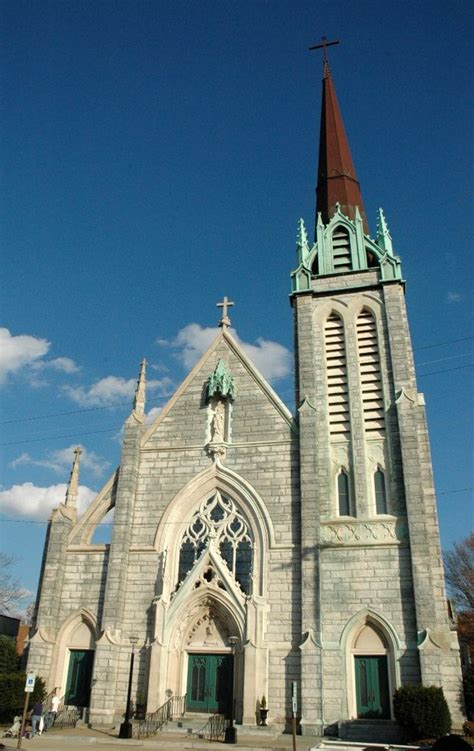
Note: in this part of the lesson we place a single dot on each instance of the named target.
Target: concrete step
(191, 724)
(370, 731)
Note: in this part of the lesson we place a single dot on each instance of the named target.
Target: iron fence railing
(154, 721)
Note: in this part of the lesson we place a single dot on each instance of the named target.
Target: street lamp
(126, 726)
(231, 730)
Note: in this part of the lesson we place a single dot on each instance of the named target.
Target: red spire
(337, 179)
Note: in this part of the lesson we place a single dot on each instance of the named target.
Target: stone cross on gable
(225, 304)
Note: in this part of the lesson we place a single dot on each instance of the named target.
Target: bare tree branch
(459, 568)
(10, 589)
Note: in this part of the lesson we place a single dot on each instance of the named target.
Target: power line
(128, 401)
(443, 344)
(171, 523)
(448, 370)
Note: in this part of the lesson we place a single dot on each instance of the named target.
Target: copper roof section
(337, 178)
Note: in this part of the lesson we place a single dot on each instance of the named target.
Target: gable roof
(258, 378)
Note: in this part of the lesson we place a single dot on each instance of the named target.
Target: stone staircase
(370, 731)
(192, 724)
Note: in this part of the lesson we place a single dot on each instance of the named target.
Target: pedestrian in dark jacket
(36, 713)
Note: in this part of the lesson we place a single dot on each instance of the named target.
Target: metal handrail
(67, 717)
(154, 721)
(215, 728)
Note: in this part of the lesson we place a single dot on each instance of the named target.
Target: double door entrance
(372, 689)
(210, 683)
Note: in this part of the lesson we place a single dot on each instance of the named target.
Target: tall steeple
(337, 178)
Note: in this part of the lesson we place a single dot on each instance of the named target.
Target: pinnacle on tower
(73, 484)
(139, 400)
(337, 178)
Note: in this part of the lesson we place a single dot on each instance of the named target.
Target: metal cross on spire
(225, 304)
(324, 45)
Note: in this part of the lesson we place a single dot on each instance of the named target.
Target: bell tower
(371, 555)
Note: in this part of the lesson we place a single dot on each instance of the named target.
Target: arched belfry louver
(370, 374)
(336, 373)
(341, 249)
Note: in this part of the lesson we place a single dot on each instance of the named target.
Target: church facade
(252, 548)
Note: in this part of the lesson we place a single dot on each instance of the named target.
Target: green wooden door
(372, 690)
(210, 680)
(79, 675)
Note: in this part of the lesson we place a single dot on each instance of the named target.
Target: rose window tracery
(219, 518)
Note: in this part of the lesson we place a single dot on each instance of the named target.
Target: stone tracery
(218, 519)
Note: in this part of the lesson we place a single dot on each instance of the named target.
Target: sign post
(294, 710)
(29, 686)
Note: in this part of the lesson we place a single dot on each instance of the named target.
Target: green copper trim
(361, 251)
(220, 382)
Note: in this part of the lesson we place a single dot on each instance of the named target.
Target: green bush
(422, 712)
(9, 661)
(12, 695)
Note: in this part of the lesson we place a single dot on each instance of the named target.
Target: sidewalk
(79, 739)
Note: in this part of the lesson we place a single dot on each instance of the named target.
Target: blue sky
(157, 156)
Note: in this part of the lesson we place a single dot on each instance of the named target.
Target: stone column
(438, 645)
(50, 590)
(109, 686)
(314, 461)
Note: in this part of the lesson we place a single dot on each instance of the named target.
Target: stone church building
(252, 547)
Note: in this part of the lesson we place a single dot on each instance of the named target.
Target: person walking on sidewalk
(36, 713)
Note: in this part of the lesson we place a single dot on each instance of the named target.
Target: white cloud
(454, 296)
(112, 390)
(153, 414)
(60, 461)
(32, 502)
(18, 351)
(272, 359)
(61, 364)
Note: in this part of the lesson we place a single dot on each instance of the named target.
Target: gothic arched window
(380, 492)
(343, 494)
(220, 518)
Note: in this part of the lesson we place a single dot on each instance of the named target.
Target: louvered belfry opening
(370, 374)
(341, 249)
(336, 370)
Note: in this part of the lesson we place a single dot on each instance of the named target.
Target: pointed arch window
(336, 374)
(219, 518)
(341, 249)
(343, 494)
(380, 492)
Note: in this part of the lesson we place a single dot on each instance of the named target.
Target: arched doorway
(211, 669)
(370, 655)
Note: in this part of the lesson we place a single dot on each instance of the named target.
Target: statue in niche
(220, 392)
(218, 422)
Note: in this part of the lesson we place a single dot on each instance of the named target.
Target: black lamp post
(126, 726)
(231, 730)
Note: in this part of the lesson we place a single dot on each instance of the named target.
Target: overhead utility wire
(128, 401)
(168, 523)
(119, 427)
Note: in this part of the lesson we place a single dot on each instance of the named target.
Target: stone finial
(72, 490)
(220, 382)
(384, 238)
(302, 247)
(139, 400)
